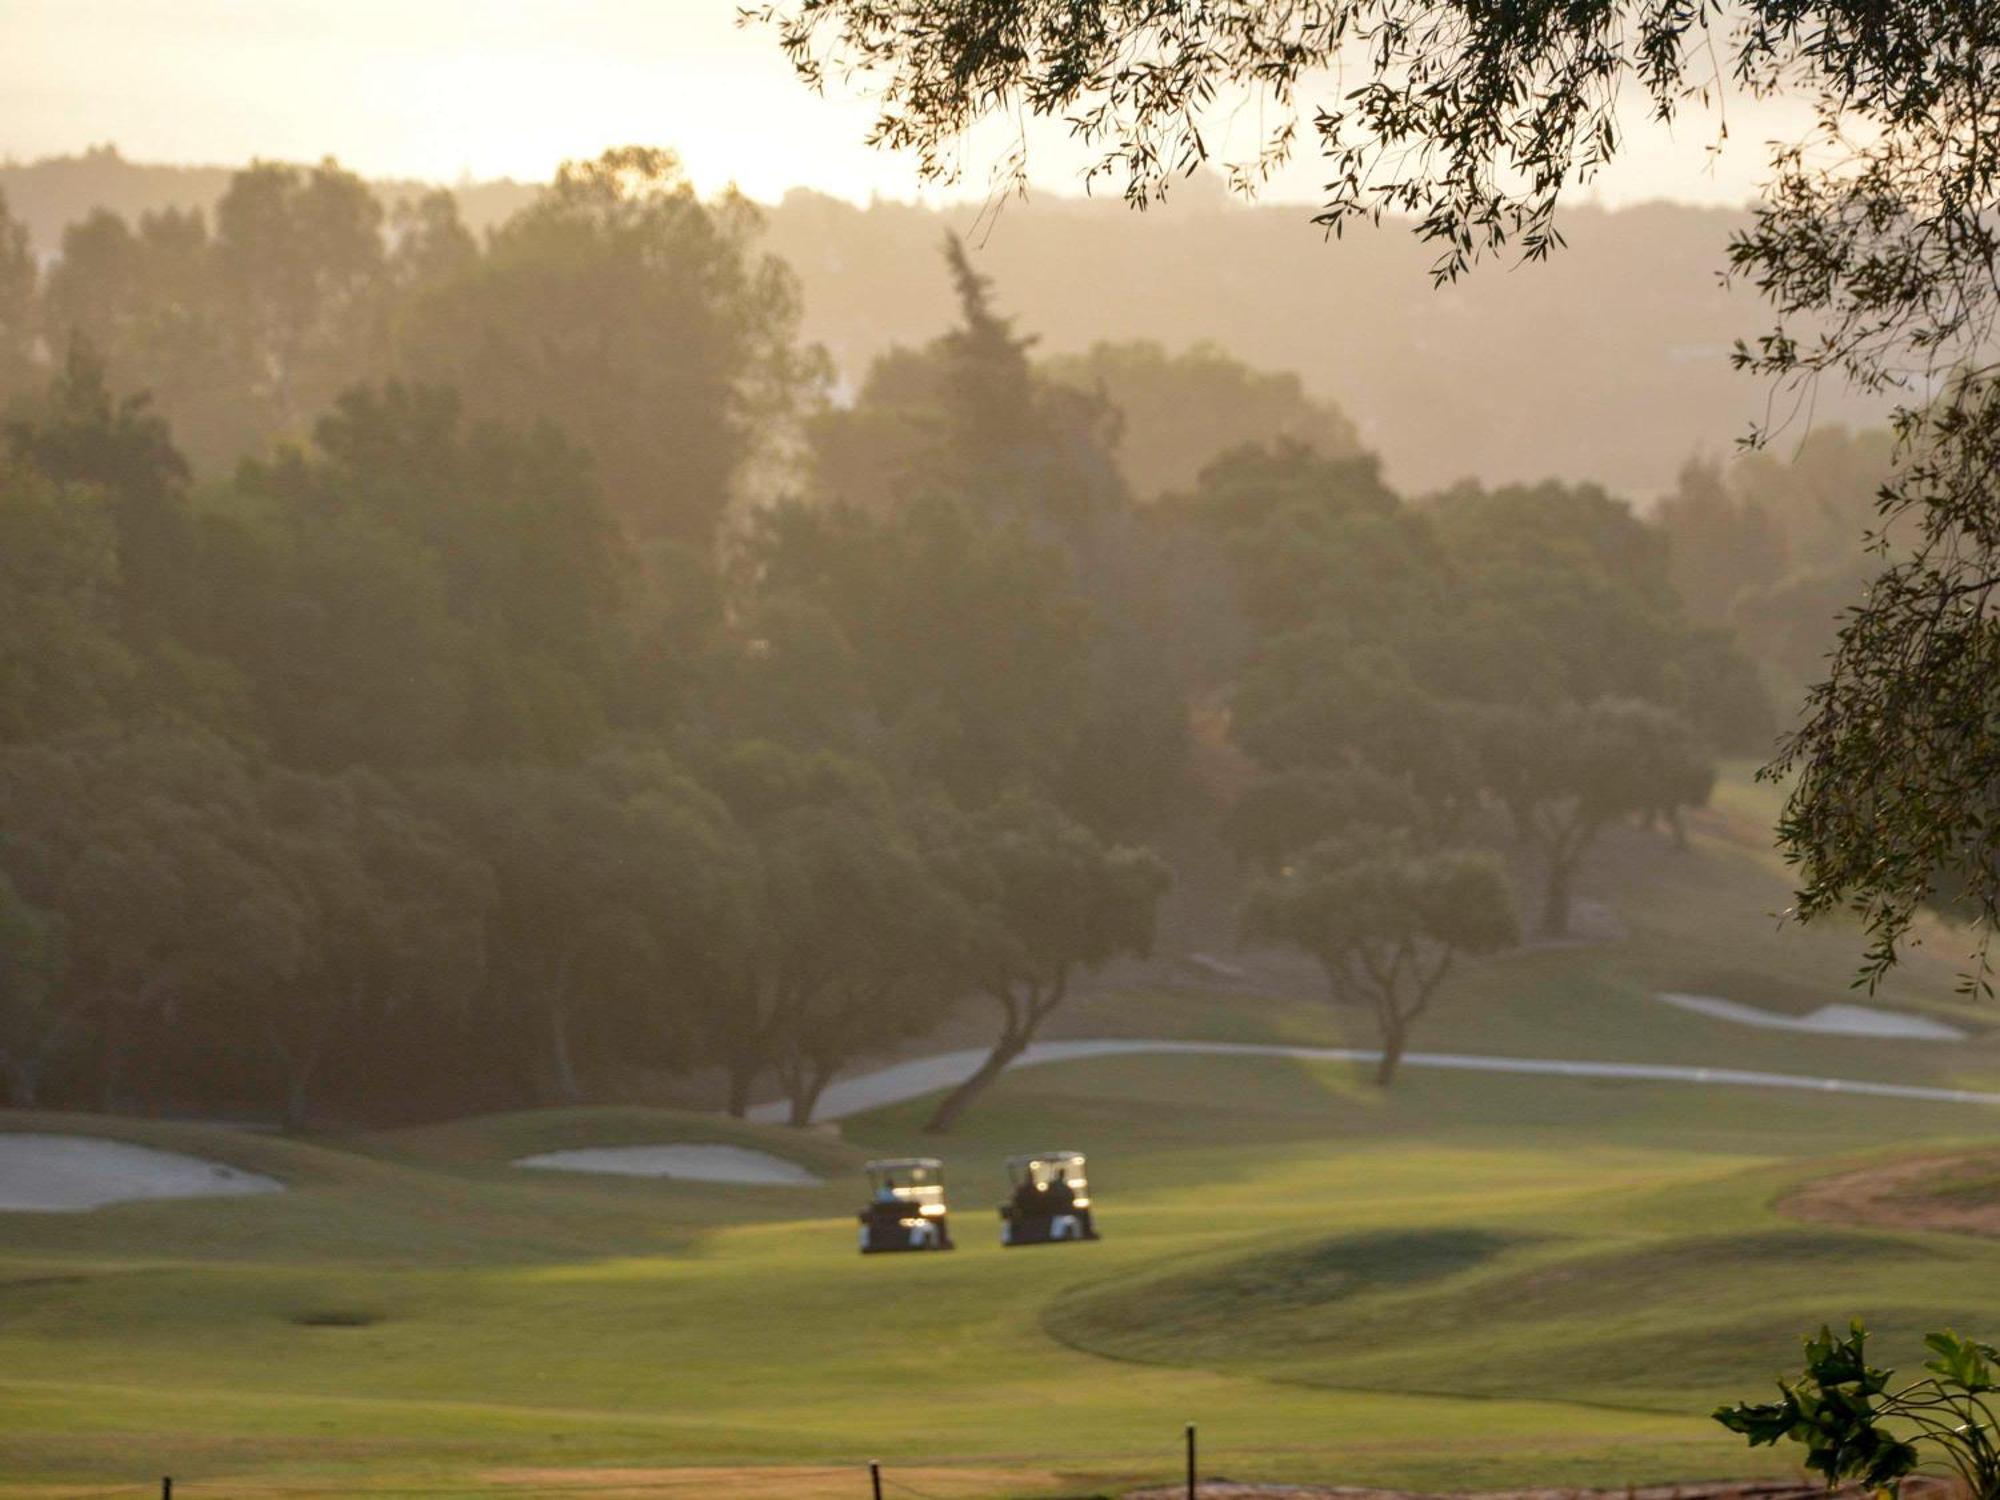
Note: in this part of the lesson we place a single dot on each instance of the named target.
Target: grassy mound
(1666, 1324)
(1272, 1300)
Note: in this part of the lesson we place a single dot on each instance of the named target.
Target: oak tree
(1385, 919)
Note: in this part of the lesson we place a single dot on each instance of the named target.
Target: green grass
(1470, 1282)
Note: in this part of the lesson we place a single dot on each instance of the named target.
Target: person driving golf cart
(905, 1206)
(1051, 1200)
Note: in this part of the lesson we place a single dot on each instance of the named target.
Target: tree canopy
(1050, 900)
(407, 725)
(1176, 412)
(1872, 246)
(639, 318)
(1385, 920)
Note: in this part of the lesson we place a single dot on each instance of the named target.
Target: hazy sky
(440, 89)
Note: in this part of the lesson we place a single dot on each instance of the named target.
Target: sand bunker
(687, 1163)
(1828, 1020)
(1956, 1193)
(70, 1173)
(1223, 1489)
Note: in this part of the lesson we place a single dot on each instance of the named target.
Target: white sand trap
(687, 1163)
(69, 1173)
(1828, 1020)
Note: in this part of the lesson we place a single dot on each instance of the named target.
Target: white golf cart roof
(1047, 1158)
(906, 1164)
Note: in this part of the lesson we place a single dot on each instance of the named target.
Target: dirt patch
(1223, 1489)
(1956, 1193)
(770, 1482)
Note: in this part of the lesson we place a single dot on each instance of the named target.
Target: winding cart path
(929, 1075)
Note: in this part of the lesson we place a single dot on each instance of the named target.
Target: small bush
(1841, 1406)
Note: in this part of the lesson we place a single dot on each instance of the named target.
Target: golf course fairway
(1465, 1281)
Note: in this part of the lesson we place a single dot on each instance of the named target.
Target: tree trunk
(742, 1079)
(567, 1091)
(1010, 1046)
(1522, 815)
(111, 1084)
(299, 1065)
(297, 1113)
(1022, 1018)
(1392, 1017)
(296, 1064)
(23, 1077)
(804, 1097)
(1554, 921)
(1395, 1037)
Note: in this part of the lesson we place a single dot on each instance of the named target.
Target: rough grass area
(1469, 1283)
(1661, 1325)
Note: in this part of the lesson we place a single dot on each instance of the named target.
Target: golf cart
(905, 1206)
(1051, 1200)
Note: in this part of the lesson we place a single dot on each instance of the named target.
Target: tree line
(440, 672)
(1770, 545)
(1432, 688)
(1871, 245)
(1624, 327)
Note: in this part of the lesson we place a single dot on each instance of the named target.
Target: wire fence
(611, 1489)
(876, 1480)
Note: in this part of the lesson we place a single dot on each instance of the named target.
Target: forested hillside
(1609, 363)
(402, 634)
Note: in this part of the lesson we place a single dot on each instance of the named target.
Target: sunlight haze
(685, 814)
(445, 90)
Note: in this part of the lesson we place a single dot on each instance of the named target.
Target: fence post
(875, 1476)
(1190, 1462)
(166, 1487)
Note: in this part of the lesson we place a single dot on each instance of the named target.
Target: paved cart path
(928, 1075)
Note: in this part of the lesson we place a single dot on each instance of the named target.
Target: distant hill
(1610, 362)
(57, 191)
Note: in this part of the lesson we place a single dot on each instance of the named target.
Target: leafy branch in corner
(1856, 1429)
